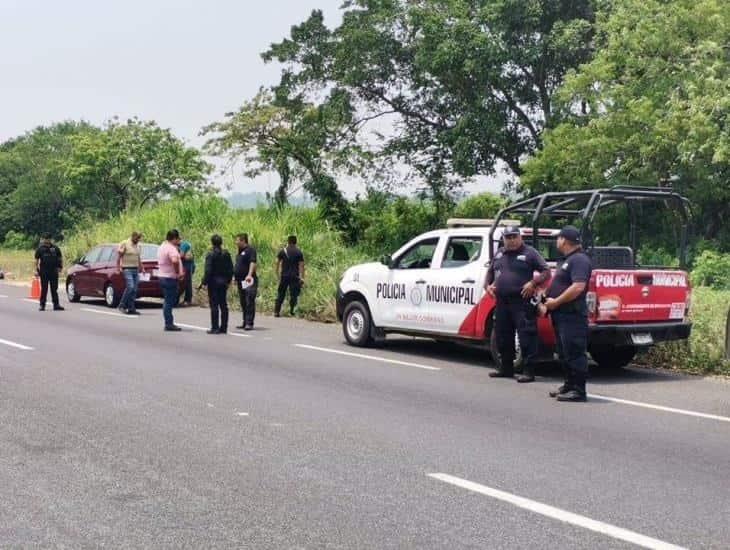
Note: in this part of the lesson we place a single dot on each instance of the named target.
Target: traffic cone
(35, 288)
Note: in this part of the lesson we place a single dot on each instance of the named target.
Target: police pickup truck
(433, 286)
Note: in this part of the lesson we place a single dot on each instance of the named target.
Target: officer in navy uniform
(511, 280)
(566, 304)
(49, 264)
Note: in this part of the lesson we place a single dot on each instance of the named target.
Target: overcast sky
(181, 63)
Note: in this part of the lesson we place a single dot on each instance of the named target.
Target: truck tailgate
(639, 296)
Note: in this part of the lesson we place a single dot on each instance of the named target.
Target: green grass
(197, 219)
(18, 265)
(705, 351)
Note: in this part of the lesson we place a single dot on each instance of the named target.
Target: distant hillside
(254, 199)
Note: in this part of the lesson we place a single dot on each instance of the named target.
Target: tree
(303, 143)
(132, 164)
(468, 83)
(656, 103)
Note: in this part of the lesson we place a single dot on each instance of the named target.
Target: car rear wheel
(614, 357)
(71, 291)
(357, 324)
(111, 297)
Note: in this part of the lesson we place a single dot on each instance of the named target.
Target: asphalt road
(116, 434)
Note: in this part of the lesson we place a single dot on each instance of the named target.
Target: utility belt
(577, 307)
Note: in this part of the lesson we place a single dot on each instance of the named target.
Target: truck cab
(433, 286)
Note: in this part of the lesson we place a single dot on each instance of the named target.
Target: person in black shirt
(247, 280)
(290, 268)
(511, 280)
(217, 277)
(566, 304)
(49, 264)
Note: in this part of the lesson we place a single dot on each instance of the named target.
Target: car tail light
(592, 303)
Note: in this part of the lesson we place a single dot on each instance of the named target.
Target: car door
(401, 298)
(103, 269)
(83, 277)
(456, 283)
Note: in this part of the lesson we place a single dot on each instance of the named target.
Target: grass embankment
(704, 354)
(18, 265)
(196, 219)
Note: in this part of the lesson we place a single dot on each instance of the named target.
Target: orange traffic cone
(35, 288)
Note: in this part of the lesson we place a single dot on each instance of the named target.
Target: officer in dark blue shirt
(566, 304)
(511, 280)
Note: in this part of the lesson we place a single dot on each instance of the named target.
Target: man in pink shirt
(170, 272)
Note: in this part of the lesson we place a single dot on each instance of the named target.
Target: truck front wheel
(357, 324)
(613, 357)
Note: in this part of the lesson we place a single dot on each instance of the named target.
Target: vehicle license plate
(642, 338)
(144, 277)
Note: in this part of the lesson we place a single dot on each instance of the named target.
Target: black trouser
(49, 278)
(188, 267)
(571, 338)
(293, 284)
(218, 297)
(516, 315)
(247, 297)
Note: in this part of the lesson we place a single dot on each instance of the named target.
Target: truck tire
(357, 324)
(613, 357)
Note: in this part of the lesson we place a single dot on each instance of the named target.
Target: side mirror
(386, 260)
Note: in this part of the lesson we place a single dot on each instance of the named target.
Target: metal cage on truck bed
(584, 204)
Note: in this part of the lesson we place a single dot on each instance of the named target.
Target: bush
(648, 256)
(484, 205)
(18, 241)
(712, 269)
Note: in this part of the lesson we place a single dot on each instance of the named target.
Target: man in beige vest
(130, 262)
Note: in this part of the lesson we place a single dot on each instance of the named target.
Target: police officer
(511, 280)
(49, 264)
(566, 304)
(290, 267)
(217, 277)
(247, 279)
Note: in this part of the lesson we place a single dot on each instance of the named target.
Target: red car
(96, 275)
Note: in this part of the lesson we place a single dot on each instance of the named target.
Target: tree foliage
(468, 84)
(657, 98)
(57, 176)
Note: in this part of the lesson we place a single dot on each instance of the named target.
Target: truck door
(401, 298)
(457, 283)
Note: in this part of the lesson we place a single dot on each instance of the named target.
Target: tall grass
(18, 265)
(197, 219)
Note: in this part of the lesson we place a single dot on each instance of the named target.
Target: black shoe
(277, 314)
(223, 331)
(501, 374)
(132, 312)
(525, 378)
(241, 327)
(173, 328)
(573, 396)
(59, 308)
(213, 331)
(42, 308)
(248, 327)
(561, 390)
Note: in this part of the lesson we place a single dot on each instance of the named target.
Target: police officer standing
(510, 279)
(290, 268)
(566, 304)
(217, 277)
(49, 264)
(247, 280)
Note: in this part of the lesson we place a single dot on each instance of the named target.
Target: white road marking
(370, 357)
(31, 300)
(3, 295)
(242, 414)
(558, 514)
(205, 329)
(660, 408)
(109, 313)
(15, 345)
(210, 405)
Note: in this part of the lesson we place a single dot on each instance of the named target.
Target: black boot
(574, 396)
(528, 375)
(561, 390)
(506, 370)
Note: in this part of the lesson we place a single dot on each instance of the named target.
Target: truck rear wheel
(357, 324)
(613, 357)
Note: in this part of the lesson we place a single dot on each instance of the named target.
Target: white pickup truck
(433, 286)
